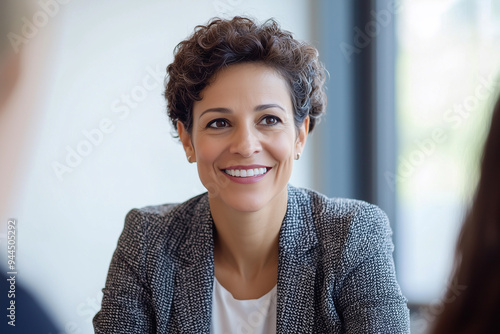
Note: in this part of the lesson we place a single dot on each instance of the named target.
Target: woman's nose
(245, 142)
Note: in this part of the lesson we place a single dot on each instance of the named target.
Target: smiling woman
(254, 254)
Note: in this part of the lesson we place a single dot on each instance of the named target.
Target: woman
(253, 255)
(475, 306)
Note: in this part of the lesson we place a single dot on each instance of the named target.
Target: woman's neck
(246, 243)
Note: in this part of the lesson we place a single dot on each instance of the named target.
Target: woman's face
(244, 139)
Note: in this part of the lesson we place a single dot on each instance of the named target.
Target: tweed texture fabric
(335, 270)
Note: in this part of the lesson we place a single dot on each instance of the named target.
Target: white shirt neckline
(230, 315)
(225, 291)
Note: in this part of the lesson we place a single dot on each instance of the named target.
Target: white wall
(69, 225)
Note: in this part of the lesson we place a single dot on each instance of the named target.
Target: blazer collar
(296, 268)
(199, 242)
(195, 278)
(297, 235)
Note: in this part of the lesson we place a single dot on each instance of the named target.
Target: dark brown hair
(222, 43)
(476, 309)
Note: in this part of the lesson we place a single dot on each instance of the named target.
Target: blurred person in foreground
(476, 309)
(20, 311)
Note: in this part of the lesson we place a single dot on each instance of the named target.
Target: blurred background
(85, 136)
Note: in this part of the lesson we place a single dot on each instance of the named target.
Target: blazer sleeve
(370, 298)
(126, 304)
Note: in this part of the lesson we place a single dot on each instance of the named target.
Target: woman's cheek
(207, 153)
(281, 146)
(208, 148)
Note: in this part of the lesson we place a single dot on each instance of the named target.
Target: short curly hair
(222, 43)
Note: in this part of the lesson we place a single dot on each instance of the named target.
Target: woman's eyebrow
(222, 110)
(228, 111)
(268, 106)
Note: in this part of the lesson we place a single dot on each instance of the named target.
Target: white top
(234, 316)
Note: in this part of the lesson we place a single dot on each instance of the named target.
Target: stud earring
(297, 157)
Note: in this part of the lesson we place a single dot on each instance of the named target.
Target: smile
(246, 172)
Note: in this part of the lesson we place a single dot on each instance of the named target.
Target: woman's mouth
(250, 172)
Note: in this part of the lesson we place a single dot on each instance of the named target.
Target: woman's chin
(244, 203)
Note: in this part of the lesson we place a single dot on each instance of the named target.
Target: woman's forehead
(246, 83)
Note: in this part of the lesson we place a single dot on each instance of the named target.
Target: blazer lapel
(296, 268)
(195, 279)
(296, 271)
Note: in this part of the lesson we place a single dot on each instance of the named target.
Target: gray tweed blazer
(335, 272)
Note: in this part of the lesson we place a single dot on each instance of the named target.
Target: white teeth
(246, 172)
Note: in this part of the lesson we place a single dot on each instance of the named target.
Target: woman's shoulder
(342, 219)
(171, 220)
(165, 212)
(336, 208)
(349, 228)
(172, 209)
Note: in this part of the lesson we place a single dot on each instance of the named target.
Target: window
(446, 79)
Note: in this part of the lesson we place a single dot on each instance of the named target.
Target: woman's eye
(270, 120)
(218, 123)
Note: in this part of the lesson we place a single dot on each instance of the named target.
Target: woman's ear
(185, 138)
(302, 136)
